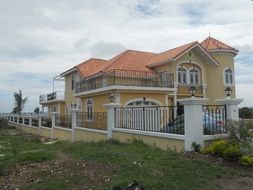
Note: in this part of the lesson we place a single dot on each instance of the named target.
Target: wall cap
(229, 101)
(112, 105)
(193, 101)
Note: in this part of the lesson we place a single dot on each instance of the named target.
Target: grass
(106, 164)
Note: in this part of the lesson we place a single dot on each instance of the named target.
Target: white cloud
(45, 38)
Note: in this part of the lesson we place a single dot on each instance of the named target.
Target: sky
(41, 39)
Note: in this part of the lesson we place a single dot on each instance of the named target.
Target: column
(193, 121)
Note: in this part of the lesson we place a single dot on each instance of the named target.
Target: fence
(46, 121)
(63, 121)
(155, 119)
(94, 120)
(214, 119)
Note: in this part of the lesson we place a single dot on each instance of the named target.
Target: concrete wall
(62, 134)
(163, 143)
(89, 135)
(45, 132)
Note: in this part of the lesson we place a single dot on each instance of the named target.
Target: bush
(196, 147)
(3, 123)
(217, 148)
(232, 153)
(246, 160)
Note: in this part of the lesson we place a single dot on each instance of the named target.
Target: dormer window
(181, 76)
(229, 77)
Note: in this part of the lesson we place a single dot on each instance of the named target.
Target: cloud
(40, 39)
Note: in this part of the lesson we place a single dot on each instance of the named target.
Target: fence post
(39, 123)
(74, 123)
(111, 117)
(53, 123)
(193, 121)
(30, 121)
(232, 110)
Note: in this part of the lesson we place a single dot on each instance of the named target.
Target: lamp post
(112, 98)
(228, 91)
(192, 91)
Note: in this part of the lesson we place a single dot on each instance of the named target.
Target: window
(229, 77)
(142, 103)
(89, 107)
(181, 76)
(194, 76)
(73, 80)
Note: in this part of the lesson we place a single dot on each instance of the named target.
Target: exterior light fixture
(112, 98)
(192, 91)
(228, 92)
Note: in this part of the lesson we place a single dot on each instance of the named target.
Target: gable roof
(214, 45)
(140, 61)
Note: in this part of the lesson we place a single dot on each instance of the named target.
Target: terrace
(126, 78)
(54, 96)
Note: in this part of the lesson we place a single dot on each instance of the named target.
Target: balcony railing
(58, 95)
(125, 78)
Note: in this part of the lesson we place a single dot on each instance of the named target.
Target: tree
(246, 113)
(37, 110)
(19, 102)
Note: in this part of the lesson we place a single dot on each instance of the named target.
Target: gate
(150, 118)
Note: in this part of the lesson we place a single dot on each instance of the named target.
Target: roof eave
(68, 72)
(234, 52)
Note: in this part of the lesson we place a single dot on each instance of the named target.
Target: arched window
(194, 76)
(89, 107)
(229, 76)
(137, 103)
(181, 76)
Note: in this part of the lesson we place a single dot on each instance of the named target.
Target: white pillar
(74, 123)
(193, 121)
(30, 121)
(111, 117)
(53, 123)
(232, 109)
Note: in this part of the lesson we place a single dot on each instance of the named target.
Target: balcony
(126, 78)
(54, 96)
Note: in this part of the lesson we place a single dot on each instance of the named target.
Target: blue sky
(40, 39)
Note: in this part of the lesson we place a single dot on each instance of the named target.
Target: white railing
(57, 95)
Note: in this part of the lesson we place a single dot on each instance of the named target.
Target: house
(137, 78)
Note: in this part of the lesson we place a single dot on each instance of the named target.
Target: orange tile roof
(213, 44)
(171, 54)
(132, 60)
(91, 66)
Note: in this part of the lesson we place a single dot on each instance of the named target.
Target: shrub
(196, 147)
(232, 153)
(246, 160)
(3, 123)
(217, 148)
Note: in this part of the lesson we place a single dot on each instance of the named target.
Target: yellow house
(136, 78)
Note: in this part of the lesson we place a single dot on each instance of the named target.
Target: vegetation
(238, 146)
(246, 112)
(33, 164)
(3, 123)
(19, 102)
(37, 110)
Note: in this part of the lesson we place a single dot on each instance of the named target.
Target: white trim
(33, 127)
(118, 87)
(42, 127)
(141, 99)
(214, 137)
(152, 134)
(68, 71)
(62, 128)
(92, 130)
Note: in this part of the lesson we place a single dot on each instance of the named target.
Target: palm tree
(19, 102)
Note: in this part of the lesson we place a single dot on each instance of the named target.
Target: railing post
(193, 121)
(232, 110)
(39, 123)
(74, 123)
(53, 123)
(111, 117)
(30, 121)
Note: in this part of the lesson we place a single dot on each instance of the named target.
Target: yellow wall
(163, 143)
(215, 80)
(89, 136)
(98, 101)
(62, 134)
(45, 132)
(69, 93)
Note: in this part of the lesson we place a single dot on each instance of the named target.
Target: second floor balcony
(125, 78)
(54, 96)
